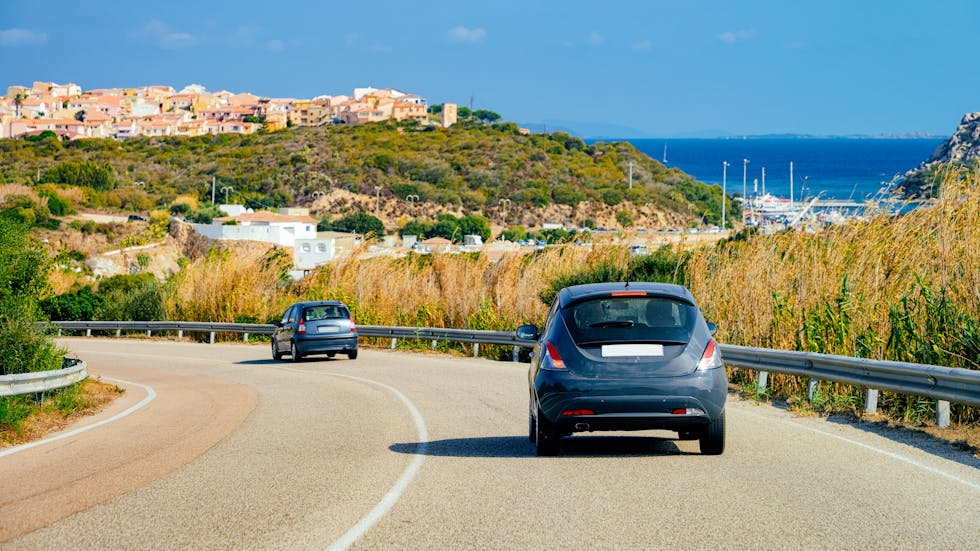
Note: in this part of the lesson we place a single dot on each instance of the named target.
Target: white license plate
(617, 350)
(328, 329)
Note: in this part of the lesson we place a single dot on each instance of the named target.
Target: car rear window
(325, 312)
(630, 319)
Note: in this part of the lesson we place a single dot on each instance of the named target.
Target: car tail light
(688, 411)
(552, 353)
(353, 328)
(711, 357)
(569, 412)
(629, 293)
(302, 328)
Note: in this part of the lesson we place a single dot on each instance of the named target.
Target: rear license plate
(328, 329)
(617, 350)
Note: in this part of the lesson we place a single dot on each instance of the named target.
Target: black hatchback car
(625, 356)
(323, 327)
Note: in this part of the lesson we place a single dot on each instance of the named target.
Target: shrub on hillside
(23, 271)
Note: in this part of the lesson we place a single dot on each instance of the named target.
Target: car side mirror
(712, 328)
(527, 332)
(277, 323)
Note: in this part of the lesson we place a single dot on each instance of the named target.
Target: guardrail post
(149, 333)
(871, 401)
(516, 354)
(811, 388)
(180, 333)
(476, 350)
(761, 382)
(59, 331)
(212, 337)
(88, 332)
(246, 337)
(118, 333)
(942, 414)
(434, 343)
(394, 341)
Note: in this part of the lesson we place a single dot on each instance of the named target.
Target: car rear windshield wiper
(613, 323)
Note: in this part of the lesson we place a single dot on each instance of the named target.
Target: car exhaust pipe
(581, 426)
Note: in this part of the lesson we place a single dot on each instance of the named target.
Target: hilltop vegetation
(471, 167)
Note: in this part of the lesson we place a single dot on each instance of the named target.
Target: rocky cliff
(962, 148)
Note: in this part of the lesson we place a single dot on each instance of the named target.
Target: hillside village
(153, 111)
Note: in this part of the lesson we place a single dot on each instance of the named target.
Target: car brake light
(629, 293)
(569, 412)
(688, 411)
(353, 328)
(711, 357)
(556, 361)
(302, 328)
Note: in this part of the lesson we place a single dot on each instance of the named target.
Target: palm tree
(18, 101)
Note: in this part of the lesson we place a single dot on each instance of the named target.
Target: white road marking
(896, 456)
(396, 491)
(150, 395)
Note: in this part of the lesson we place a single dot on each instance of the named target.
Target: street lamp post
(745, 169)
(724, 190)
(412, 198)
(226, 190)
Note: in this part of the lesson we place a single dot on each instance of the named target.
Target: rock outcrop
(962, 148)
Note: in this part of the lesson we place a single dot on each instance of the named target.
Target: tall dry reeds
(237, 284)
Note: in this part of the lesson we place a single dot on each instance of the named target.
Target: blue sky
(626, 69)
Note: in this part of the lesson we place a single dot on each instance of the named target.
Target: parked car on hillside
(321, 327)
(625, 356)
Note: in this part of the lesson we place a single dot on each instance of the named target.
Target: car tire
(294, 354)
(352, 355)
(276, 355)
(545, 437)
(713, 439)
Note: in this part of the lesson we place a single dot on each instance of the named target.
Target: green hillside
(470, 165)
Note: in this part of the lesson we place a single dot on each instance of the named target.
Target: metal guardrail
(43, 381)
(946, 384)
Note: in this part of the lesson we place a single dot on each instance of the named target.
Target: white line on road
(396, 491)
(150, 395)
(869, 447)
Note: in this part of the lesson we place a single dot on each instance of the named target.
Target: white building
(308, 254)
(260, 226)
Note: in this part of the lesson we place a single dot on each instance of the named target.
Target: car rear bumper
(321, 345)
(635, 405)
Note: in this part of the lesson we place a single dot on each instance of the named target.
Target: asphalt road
(223, 448)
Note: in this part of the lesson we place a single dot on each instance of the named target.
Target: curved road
(223, 448)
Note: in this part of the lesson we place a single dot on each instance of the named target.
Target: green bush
(23, 278)
(137, 297)
(79, 305)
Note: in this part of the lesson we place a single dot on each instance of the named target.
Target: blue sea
(837, 168)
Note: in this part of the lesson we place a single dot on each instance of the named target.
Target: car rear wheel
(545, 437)
(275, 352)
(352, 355)
(294, 354)
(713, 439)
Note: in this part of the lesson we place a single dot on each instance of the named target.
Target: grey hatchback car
(322, 327)
(625, 356)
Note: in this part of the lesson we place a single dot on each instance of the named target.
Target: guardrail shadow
(519, 446)
(961, 453)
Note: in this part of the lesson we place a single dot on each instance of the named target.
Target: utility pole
(724, 190)
(212, 189)
(631, 174)
(791, 182)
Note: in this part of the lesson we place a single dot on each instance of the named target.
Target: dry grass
(93, 396)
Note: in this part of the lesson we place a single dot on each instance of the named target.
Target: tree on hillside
(360, 222)
(487, 117)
